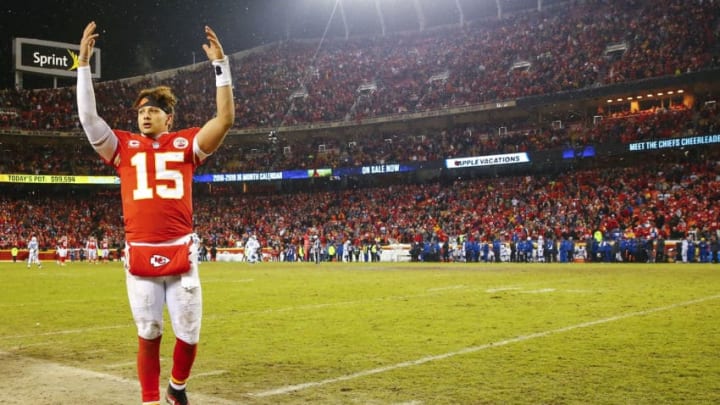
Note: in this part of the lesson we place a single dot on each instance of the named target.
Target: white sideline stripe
(63, 332)
(291, 388)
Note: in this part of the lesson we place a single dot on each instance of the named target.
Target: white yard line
(501, 289)
(298, 387)
(77, 385)
(540, 291)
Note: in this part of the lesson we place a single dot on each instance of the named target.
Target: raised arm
(213, 132)
(96, 129)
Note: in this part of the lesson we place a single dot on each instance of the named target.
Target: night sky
(138, 37)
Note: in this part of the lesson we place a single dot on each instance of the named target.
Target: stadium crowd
(465, 140)
(588, 44)
(534, 53)
(397, 147)
(651, 199)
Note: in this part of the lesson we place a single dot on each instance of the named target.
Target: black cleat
(176, 397)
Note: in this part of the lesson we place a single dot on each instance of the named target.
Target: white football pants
(182, 294)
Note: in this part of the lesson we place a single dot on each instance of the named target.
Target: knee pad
(149, 330)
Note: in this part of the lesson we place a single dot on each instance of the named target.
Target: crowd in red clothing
(674, 196)
(51, 215)
(287, 83)
(465, 140)
(345, 150)
(283, 84)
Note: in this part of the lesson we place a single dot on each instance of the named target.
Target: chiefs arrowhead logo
(158, 261)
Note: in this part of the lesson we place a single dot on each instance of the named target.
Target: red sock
(148, 367)
(183, 359)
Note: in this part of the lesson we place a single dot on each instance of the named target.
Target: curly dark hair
(162, 94)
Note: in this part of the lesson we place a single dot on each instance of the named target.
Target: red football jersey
(156, 184)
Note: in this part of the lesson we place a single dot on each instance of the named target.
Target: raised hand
(213, 49)
(87, 43)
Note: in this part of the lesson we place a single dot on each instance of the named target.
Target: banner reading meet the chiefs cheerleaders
(490, 160)
(688, 141)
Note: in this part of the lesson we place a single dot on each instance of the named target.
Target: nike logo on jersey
(158, 260)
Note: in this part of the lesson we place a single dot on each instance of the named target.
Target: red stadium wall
(5, 255)
(49, 255)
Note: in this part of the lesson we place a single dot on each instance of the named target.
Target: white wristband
(222, 72)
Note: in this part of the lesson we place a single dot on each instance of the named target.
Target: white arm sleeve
(96, 129)
(201, 155)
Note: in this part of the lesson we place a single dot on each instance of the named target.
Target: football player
(156, 166)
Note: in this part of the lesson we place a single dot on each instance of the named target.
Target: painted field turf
(396, 333)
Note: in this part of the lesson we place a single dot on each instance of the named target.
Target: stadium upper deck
(587, 46)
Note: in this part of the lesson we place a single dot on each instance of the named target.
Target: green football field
(382, 333)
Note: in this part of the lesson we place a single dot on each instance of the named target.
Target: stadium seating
(587, 46)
